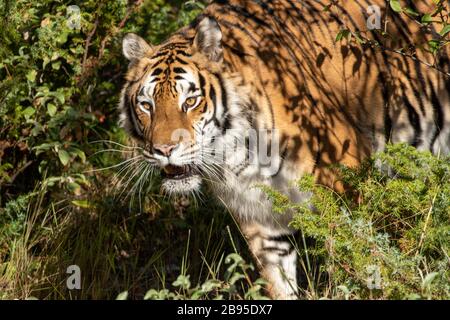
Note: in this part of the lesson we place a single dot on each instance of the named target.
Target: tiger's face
(175, 104)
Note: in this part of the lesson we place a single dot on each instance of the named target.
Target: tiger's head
(179, 104)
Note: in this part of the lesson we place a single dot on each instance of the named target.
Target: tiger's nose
(164, 149)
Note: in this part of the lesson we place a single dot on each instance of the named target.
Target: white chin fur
(182, 186)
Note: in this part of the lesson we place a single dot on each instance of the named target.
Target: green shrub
(390, 240)
(59, 82)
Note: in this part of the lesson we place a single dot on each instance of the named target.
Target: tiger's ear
(208, 39)
(134, 47)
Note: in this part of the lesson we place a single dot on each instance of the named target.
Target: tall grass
(119, 244)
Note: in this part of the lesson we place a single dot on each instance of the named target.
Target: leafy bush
(390, 240)
(60, 74)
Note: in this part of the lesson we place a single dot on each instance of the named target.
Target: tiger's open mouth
(180, 179)
(176, 172)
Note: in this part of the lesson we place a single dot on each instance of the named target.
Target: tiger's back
(336, 102)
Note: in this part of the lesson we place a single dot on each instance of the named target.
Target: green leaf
(45, 61)
(62, 37)
(56, 65)
(80, 154)
(82, 204)
(28, 112)
(445, 30)
(411, 12)
(234, 260)
(51, 181)
(327, 7)
(342, 34)
(43, 147)
(151, 294)
(122, 296)
(74, 187)
(345, 290)
(358, 38)
(51, 109)
(396, 6)
(31, 75)
(427, 18)
(182, 282)
(37, 129)
(435, 45)
(210, 285)
(60, 96)
(236, 277)
(64, 157)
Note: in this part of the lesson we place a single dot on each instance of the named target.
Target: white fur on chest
(242, 196)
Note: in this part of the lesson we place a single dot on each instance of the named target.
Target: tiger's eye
(146, 105)
(190, 102)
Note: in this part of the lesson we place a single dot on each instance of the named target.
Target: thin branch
(18, 172)
(121, 24)
(88, 42)
(430, 65)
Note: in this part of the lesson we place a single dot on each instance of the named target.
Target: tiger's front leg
(276, 258)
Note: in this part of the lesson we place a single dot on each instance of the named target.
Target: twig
(407, 55)
(18, 172)
(88, 42)
(120, 26)
(416, 59)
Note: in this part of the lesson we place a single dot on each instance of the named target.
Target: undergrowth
(388, 239)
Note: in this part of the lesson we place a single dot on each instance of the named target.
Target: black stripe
(414, 119)
(161, 54)
(283, 238)
(157, 63)
(224, 93)
(279, 251)
(421, 79)
(183, 53)
(192, 87)
(181, 61)
(202, 83)
(179, 70)
(438, 115)
(156, 72)
(213, 97)
(387, 123)
(283, 159)
(226, 123)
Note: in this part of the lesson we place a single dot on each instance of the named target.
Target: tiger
(267, 80)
